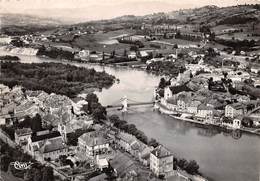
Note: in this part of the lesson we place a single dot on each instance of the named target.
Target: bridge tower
(124, 104)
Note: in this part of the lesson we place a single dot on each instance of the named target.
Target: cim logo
(21, 165)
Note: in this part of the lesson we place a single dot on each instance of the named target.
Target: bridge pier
(124, 104)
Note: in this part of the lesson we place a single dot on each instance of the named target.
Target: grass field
(94, 42)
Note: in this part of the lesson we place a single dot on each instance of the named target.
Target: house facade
(193, 107)
(234, 110)
(93, 144)
(46, 144)
(205, 113)
(22, 136)
(161, 161)
(125, 141)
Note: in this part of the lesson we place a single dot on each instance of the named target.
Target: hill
(18, 24)
(26, 20)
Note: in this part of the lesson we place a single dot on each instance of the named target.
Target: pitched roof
(126, 137)
(45, 136)
(161, 152)
(123, 164)
(237, 105)
(195, 103)
(33, 93)
(53, 145)
(24, 131)
(205, 107)
(93, 138)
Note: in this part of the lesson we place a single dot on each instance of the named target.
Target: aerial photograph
(129, 90)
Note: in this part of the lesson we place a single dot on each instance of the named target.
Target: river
(221, 156)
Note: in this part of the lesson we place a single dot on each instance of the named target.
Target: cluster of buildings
(191, 98)
(17, 103)
(103, 147)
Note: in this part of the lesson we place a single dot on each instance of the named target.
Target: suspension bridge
(124, 103)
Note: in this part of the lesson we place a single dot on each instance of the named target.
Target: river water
(221, 156)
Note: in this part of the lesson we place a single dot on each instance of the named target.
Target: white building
(93, 144)
(205, 113)
(234, 124)
(161, 161)
(193, 107)
(233, 110)
(167, 93)
(22, 136)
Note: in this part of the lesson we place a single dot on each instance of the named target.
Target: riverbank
(173, 114)
(20, 50)
(219, 155)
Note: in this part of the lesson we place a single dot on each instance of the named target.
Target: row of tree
(131, 129)
(190, 167)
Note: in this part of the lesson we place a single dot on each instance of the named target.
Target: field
(99, 42)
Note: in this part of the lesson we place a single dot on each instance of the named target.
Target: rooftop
(53, 145)
(93, 138)
(45, 135)
(123, 164)
(126, 137)
(161, 152)
(237, 105)
(205, 107)
(24, 131)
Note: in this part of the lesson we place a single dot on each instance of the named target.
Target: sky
(105, 9)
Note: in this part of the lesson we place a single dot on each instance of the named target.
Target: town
(52, 110)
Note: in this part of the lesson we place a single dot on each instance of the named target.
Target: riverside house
(125, 141)
(233, 123)
(205, 113)
(234, 110)
(161, 161)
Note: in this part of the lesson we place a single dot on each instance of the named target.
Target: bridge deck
(130, 105)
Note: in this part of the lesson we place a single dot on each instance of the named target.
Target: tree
(91, 99)
(175, 46)
(175, 163)
(99, 112)
(162, 83)
(182, 163)
(225, 74)
(36, 123)
(114, 118)
(37, 175)
(192, 167)
(5, 160)
(29, 174)
(26, 123)
(247, 122)
(47, 174)
(153, 143)
(134, 48)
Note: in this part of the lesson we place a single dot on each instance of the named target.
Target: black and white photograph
(129, 90)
